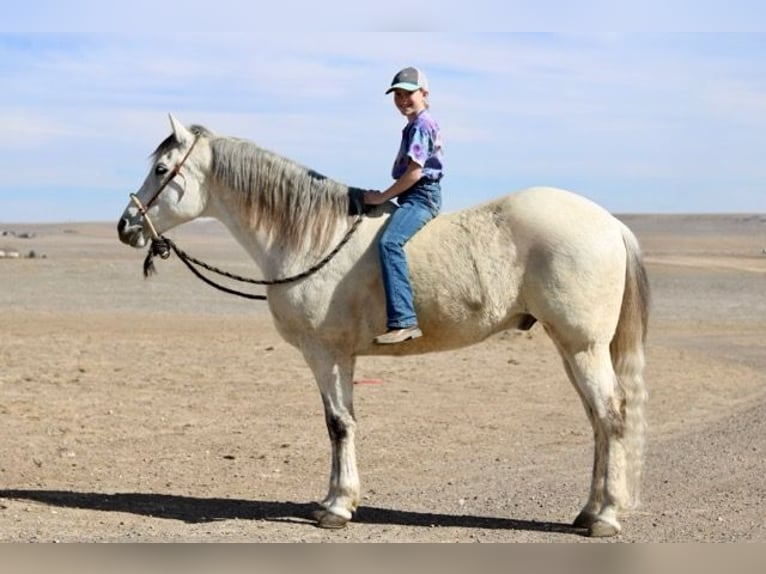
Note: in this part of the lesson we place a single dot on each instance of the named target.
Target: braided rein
(162, 246)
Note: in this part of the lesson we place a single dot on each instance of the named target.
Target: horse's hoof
(584, 520)
(326, 519)
(601, 529)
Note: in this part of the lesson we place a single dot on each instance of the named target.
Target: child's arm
(409, 178)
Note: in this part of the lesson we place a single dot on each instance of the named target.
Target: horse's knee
(338, 426)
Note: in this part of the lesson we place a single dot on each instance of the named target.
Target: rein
(162, 246)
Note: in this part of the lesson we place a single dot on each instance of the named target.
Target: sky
(666, 117)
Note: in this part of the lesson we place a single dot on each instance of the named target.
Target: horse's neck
(274, 258)
(223, 208)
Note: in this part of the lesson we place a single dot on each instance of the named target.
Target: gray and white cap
(409, 79)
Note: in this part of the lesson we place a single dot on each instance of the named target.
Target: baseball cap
(409, 79)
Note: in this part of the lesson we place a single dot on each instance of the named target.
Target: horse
(541, 254)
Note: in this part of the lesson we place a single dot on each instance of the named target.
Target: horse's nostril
(121, 225)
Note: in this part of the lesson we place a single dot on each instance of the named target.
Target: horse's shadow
(196, 510)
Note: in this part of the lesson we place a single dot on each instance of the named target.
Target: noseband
(143, 209)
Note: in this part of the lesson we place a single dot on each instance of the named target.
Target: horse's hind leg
(590, 510)
(334, 375)
(593, 375)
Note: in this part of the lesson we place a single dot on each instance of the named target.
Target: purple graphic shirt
(421, 142)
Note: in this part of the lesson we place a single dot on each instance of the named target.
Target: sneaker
(394, 336)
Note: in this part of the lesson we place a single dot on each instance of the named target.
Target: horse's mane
(285, 200)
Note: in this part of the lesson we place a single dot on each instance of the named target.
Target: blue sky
(643, 121)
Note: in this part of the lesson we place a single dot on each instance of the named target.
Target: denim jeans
(417, 206)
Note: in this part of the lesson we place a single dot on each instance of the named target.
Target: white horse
(541, 254)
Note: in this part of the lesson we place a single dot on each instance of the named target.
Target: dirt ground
(163, 410)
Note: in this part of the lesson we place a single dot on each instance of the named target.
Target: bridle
(162, 246)
(143, 209)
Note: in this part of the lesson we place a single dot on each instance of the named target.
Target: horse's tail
(627, 351)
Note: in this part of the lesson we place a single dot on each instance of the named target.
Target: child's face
(410, 104)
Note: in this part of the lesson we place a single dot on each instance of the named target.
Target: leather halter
(144, 208)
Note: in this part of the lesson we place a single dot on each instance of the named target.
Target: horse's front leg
(334, 374)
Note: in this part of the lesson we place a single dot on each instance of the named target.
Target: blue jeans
(417, 206)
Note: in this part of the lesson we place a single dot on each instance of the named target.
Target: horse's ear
(181, 133)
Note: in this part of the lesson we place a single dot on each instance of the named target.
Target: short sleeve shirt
(422, 143)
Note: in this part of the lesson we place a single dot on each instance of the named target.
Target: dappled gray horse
(542, 254)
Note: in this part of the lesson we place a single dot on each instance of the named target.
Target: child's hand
(374, 197)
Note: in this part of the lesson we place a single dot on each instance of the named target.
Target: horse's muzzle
(130, 233)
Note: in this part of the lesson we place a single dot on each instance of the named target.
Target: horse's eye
(161, 169)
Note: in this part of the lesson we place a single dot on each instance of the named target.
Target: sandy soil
(162, 410)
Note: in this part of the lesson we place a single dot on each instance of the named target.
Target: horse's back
(544, 220)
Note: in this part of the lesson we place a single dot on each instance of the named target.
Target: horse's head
(173, 191)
